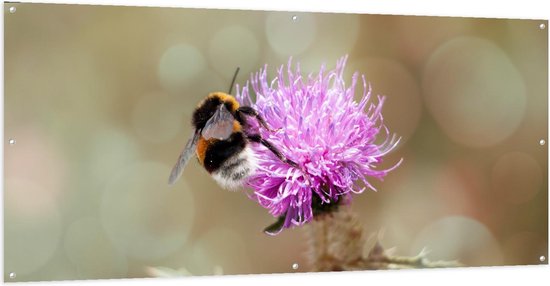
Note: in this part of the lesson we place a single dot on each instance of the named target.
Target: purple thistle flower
(325, 131)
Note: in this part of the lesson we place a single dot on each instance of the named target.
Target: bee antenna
(233, 80)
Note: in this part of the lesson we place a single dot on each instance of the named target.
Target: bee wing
(184, 157)
(220, 125)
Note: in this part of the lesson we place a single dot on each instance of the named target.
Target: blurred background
(98, 102)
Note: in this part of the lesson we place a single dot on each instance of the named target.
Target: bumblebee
(221, 140)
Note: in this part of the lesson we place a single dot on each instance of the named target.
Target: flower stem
(336, 241)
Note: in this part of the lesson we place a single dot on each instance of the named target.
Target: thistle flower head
(335, 140)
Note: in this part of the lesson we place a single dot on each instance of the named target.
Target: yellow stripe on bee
(236, 126)
(202, 145)
(226, 98)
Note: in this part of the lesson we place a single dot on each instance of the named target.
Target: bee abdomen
(234, 171)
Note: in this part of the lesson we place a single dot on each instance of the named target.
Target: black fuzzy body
(220, 151)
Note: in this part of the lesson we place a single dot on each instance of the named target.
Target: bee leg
(258, 139)
(247, 110)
